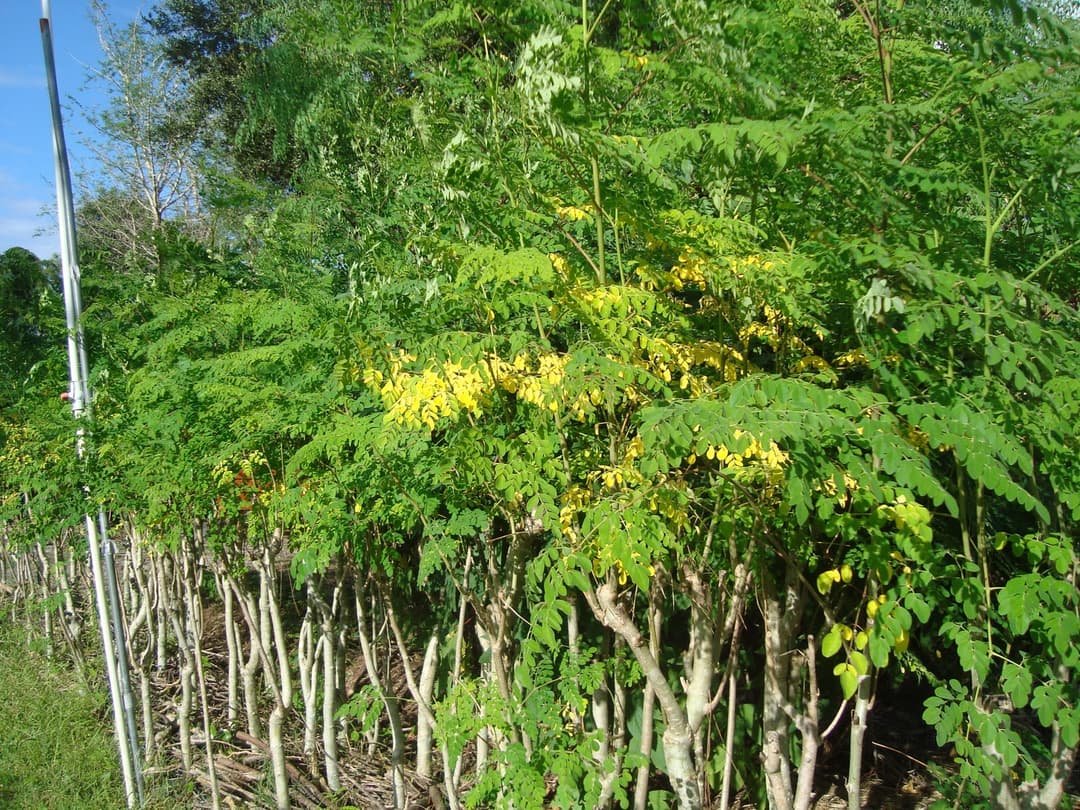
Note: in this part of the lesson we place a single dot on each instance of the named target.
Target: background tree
(212, 42)
(147, 168)
(28, 288)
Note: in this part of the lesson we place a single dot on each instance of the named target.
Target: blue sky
(26, 164)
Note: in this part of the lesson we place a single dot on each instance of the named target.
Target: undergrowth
(56, 751)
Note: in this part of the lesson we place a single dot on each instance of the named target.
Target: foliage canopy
(677, 345)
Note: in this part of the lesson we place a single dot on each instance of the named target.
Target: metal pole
(112, 630)
(108, 563)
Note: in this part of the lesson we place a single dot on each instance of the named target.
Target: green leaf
(1047, 702)
(849, 680)
(880, 648)
(914, 602)
(1020, 602)
(831, 643)
(1016, 680)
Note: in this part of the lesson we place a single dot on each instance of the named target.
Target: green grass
(56, 751)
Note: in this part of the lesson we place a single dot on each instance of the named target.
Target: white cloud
(23, 207)
(9, 184)
(23, 218)
(20, 78)
(16, 149)
(31, 231)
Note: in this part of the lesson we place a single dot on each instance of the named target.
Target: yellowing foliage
(829, 487)
(420, 399)
(558, 261)
(572, 213)
(754, 458)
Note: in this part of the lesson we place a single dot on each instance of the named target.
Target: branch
(611, 614)
(919, 144)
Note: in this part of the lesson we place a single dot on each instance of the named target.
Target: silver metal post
(108, 554)
(109, 623)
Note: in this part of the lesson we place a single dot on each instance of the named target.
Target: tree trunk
(307, 669)
(142, 624)
(277, 757)
(424, 728)
(855, 742)
(732, 706)
(397, 735)
(641, 786)
(256, 627)
(328, 640)
(423, 706)
(193, 602)
(232, 646)
(616, 739)
(279, 640)
(782, 699)
(678, 739)
(187, 674)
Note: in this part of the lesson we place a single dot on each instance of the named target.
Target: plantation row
(525, 405)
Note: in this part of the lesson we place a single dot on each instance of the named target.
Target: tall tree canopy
(28, 288)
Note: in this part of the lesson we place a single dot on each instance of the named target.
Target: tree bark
(424, 728)
(276, 741)
(307, 669)
(397, 735)
(782, 698)
(678, 739)
(328, 640)
(422, 705)
(641, 786)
